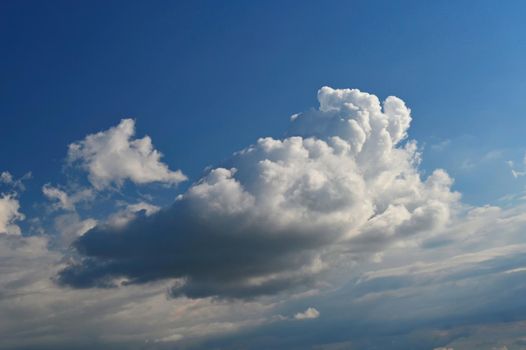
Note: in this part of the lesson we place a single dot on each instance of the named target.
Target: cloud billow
(342, 185)
(9, 214)
(113, 156)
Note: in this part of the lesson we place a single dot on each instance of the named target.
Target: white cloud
(9, 214)
(112, 156)
(125, 215)
(66, 201)
(7, 178)
(342, 183)
(70, 226)
(343, 169)
(63, 200)
(516, 173)
(309, 314)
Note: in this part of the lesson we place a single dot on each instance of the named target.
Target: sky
(262, 175)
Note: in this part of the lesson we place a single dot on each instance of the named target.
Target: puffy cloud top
(110, 157)
(356, 117)
(308, 314)
(9, 214)
(342, 184)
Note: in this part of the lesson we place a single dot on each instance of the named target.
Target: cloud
(7, 178)
(66, 201)
(441, 145)
(327, 216)
(516, 173)
(309, 314)
(111, 157)
(130, 212)
(37, 314)
(40, 314)
(452, 295)
(70, 226)
(279, 212)
(9, 214)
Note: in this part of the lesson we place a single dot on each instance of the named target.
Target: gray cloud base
(214, 258)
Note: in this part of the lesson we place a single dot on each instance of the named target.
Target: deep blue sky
(204, 79)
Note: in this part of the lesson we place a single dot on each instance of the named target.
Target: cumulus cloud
(309, 314)
(342, 183)
(9, 214)
(113, 156)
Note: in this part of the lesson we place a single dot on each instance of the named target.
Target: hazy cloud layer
(418, 298)
(464, 293)
(280, 211)
(35, 313)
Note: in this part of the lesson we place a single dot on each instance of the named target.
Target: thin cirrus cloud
(342, 185)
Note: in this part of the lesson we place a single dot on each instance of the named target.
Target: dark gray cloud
(214, 258)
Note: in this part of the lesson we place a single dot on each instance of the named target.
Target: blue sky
(197, 73)
(204, 80)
